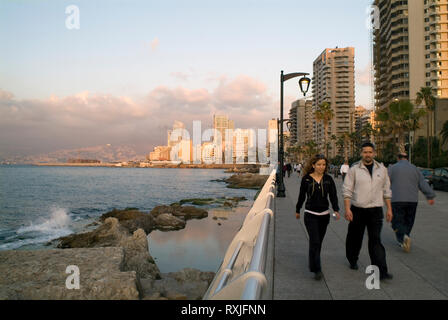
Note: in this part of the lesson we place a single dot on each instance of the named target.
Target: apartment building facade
(410, 51)
(334, 82)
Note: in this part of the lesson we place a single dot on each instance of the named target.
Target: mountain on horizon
(104, 153)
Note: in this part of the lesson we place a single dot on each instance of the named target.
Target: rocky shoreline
(114, 259)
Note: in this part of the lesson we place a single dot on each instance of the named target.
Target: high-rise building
(222, 123)
(361, 117)
(293, 118)
(334, 82)
(302, 125)
(410, 51)
(272, 145)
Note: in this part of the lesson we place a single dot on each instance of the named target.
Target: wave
(59, 220)
(55, 226)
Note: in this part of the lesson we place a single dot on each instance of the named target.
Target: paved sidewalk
(420, 274)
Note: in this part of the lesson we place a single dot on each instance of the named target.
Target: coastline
(159, 166)
(134, 269)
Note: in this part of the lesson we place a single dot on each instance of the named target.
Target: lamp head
(304, 84)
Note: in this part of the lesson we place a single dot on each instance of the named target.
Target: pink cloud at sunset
(29, 126)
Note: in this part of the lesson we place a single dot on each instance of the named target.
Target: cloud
(30, 126)
(155, 44)
(363, 76)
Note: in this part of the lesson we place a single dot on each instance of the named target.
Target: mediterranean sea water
(39, 204)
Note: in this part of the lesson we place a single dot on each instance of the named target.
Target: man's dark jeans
(403, 219)
(372, 218)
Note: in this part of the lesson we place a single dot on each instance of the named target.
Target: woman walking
(317, 186)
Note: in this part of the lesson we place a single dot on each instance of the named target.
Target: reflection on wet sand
(202, 244)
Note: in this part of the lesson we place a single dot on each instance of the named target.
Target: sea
(41, 203)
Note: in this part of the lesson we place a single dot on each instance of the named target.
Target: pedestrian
(317, 186)
(299, 169)
(277, 173)
(405, 181)
(285, 168)
(366, 188)
(344, 169)
(289, 169)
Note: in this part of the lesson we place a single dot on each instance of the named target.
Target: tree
(425, 95)
(367, 131)
(398, 119)
(324, 113)
(444, 132)
(310, 149)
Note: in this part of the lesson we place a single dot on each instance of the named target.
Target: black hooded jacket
(316, 194)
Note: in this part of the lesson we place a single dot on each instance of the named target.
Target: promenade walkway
(420, 274)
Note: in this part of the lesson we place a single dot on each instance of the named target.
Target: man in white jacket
(366, 189)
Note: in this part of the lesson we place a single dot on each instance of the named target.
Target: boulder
(112, 234)
(190, 284)
(168, 222)
(246, 181)
(190, 212)
(185, 212)
(41, 275)
(132, 219)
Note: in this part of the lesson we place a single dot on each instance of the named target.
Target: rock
(41, 274)
(198, 202)
(188, 284)
(186, 212)
(132, 219)
(190, 212)
(137, 257)
(164, 209)
(168, 222)
(112, 234)
(246, 181)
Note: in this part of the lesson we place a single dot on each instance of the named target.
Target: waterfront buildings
(410, 51)
(334, 82)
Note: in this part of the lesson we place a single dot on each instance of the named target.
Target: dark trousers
(316, 227)
(403, 218)
(372, 218)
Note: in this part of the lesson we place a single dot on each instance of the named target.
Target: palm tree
(425, 95)
(310, 149)
(367, 131)
(345, 142)
(444, 132)
(398, 119)
(324, 113)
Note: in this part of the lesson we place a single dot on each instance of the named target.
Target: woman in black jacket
(317, 186)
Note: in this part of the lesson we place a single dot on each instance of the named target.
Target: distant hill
(104, 153)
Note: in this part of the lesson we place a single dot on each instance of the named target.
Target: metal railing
(243, 272)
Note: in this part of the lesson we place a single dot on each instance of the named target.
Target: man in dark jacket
(406, 180)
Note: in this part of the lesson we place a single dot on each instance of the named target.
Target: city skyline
(129, 71)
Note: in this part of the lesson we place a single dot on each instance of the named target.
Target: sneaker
(407, 244)
(318, 275)
(386, 276)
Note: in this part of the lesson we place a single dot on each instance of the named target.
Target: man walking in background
(344, 170)
(406, 180)
(366, 188)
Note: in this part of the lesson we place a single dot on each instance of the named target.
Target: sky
(133, 67)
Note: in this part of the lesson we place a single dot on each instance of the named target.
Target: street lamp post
(304, 84)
